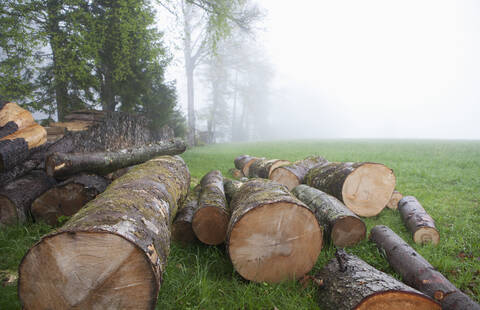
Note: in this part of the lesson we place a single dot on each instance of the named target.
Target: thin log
(14, 118)
(231, 187)
(263, 168)
(365, 188)
(210, 220)
(17, 196)
(67, 197)
(272, 236)
(62, 165)
(393, 202)
(341, 225)
(294, 174)
(182, 230)
(244, 162)
(351, 283)
(418, 221)
(113, 252)
(418, 272)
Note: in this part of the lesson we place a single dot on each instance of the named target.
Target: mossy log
(365, 188)
(272, 236)
(263, 168)
(293, 174)
(13, 118)
(62, 165)
(16, 197)
(341, 225)
(418, 272)
(231, 187)
(67, 197)
(113, 252)
(418, 221)
(244, 162)
(182, 230)
(351, 283)
(16, 147)
(210, 220)
(393, 202)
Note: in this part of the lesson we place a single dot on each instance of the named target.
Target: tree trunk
(293, 174)
(272, 236)
(15, 148)
(113, 252)
(210, 220)
(351, 283)
(182, 230)
(14, 118)
(393, 203)
(61, 165)
(231, 187)
(263, 168)
(244, 162)
(67, 198)
(365, 188)
(342, 226)
(417, 272)
(418, 221)
(17, 196)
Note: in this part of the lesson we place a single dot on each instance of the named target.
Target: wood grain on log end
(425, 235)
(393, 202)
(285, 177)
(348, 231)
(393, 300)
(210, 225)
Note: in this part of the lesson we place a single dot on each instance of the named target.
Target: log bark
(237, 174)
(272, 236)
(14, 118)
(418, 272)
(231, 187)
(210, 220)
(294, 174)
(113, 252)
(351, 283)
(62, 165)
(117, 173)
(341, 225)
(263, 168)
(182, 230)
(67, 198)
(418, 221)
(17, 196)
(244, 162)
(365, 188)
(393, 202)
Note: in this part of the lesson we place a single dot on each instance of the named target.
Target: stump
(341, 225)
(113, 252)
(263, 168)
(244, 162)
(182, 230)
(294, 174)
(393, 202)
(418, 221)
(365, 188)
(272, 236)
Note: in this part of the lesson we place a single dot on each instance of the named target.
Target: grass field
(443, 175)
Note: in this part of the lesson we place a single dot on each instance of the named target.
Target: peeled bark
(244, 162)
(67, 198)
(417, 272)
(365, 188)
(272, 236)
(231, 187)
(62, 165)
(182, 230)
(418, 221)
(210, 220)
(263, 168)
(351, 283)
(294, 174)
(113, 252)
(14, 118)
(393, 202)
(17, 196)
(343, 227)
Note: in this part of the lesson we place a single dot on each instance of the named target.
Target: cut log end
(277, 164)
(367, 190)
(85, 270)
(285, 177)
(275, 242)
(8, 211)
(395, 300)
(426, 235)
(393, 203)
(348, 231)
(210, 225)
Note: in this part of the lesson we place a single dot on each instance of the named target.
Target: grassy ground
(444, 176)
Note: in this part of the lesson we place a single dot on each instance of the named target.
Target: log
(293, 174)
(72, 126)
(244, 162)
(231, 187)
(117, 173)
(67, 197)
(14, 118)
(418, 221)
(272, 236)
(113, 252)
(210, 220)
(15, 148)
(351, 283)
(17, 196)
(418, 272)
(237, 174)
(393, 202)
(62, 165)
(263, 168)
(182, 230)
(365, 188)
(341, 225)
